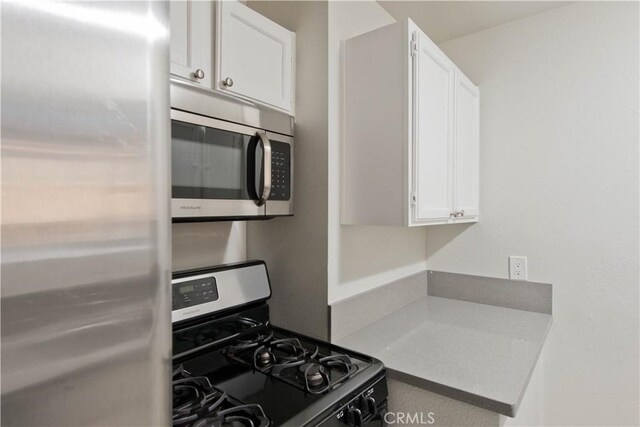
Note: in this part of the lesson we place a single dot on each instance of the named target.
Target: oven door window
(208, 163)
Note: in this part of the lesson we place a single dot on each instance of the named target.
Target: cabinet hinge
(413, 198)
(413, 45)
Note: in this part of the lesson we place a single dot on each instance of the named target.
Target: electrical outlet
(518, 267)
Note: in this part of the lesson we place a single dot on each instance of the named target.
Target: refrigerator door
(85, 213)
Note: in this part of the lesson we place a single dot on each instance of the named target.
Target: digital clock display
(194, 292)
(185, 289)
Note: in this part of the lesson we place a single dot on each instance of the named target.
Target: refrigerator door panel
(85, 213)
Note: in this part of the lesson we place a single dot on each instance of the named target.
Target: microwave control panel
(280, 171)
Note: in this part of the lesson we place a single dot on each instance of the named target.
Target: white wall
(559, 184)
(311, 257)
(204, 244)
(295, 248)
(360, 258)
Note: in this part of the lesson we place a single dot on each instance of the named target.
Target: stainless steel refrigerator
(85, 213)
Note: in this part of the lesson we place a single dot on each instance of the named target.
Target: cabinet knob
(198, 74)
(228, 82)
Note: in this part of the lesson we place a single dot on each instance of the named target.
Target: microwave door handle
(266, 168)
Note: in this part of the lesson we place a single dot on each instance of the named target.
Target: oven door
(222, 170)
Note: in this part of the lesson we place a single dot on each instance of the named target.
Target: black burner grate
(294, 363)
(196, 403)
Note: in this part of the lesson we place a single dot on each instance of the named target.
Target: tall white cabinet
(228, 48)
(411, 135)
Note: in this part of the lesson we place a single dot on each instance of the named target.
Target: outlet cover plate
(517, 267)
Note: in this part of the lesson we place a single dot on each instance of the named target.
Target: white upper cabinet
(191, 41)
(467, 149)
(254, 57)
(411, 141)
(228, 48)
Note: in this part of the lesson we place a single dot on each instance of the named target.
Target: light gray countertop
(480, 354)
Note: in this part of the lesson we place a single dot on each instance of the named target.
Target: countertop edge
(454, 393)
(533, 367)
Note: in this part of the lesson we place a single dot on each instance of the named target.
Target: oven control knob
(354, 417)
(367, 405)
(370, 405)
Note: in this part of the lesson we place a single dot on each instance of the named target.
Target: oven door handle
(266, 168)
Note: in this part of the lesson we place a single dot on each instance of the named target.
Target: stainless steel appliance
(85, 214)
(228, 160)
(233, 367)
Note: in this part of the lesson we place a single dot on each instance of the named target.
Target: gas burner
(263, 358)
(196, 403)
(315, 377)
(192, 395)
(338, 361)
(270, 355)
(291, 346)
(282, 353)
(238, 416)
(318, 374)
(293, 362)
(290, 350)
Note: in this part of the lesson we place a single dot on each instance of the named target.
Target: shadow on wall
(440, 236)
(375, 250)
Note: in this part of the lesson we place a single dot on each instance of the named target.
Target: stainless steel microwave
(221, 170)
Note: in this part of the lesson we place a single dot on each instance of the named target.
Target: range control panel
(366, 408)
(194, 292)
(280, 171)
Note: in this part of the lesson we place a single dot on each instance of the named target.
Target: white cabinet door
(467, 148)
(433, 94)
(192, 41)
(254, 56)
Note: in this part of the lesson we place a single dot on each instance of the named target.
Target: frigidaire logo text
(190, 207)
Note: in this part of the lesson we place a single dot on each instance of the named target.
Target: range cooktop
(233, 368)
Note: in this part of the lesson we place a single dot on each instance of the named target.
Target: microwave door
(224, 168)
(209, 173)
(186, 156)
(226, 185)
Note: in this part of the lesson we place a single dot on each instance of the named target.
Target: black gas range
(232, 367)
